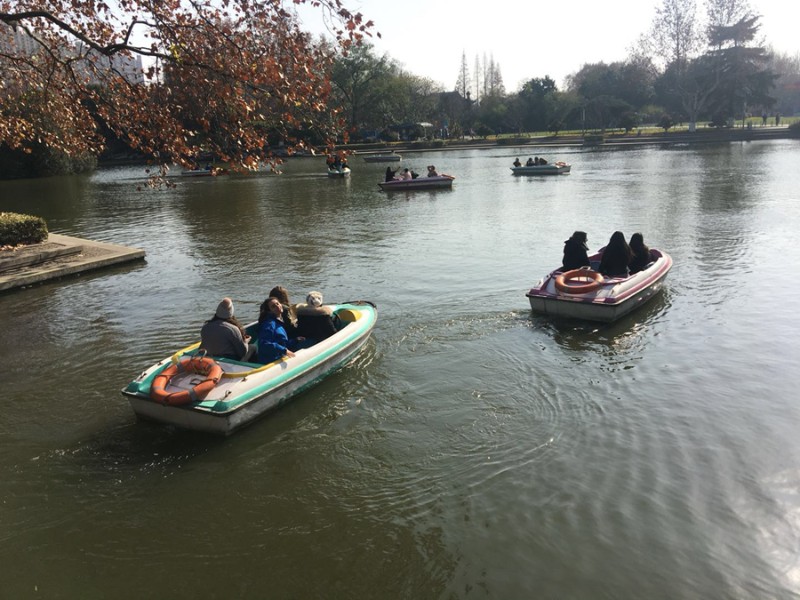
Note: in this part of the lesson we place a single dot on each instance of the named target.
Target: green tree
(745, 78)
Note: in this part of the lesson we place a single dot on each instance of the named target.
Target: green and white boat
(245, 391)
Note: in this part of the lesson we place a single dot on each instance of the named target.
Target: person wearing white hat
(314, 319)
(223, 336)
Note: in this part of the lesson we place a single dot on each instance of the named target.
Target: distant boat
(207, 172)
(340, 172)
(380, 158)
(420, 183)
(558, 168)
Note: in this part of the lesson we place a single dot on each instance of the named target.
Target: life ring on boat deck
(569, 282)
(200, 365)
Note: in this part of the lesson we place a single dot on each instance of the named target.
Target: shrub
(666, 122)
(17, 229)
(794, 129)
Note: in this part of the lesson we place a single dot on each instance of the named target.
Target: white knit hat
(314, 298)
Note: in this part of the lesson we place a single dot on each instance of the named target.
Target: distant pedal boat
(341, 172)
(557, 168)
(178, 392)
(585, 294)
(420, 183)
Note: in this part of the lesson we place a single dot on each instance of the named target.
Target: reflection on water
(472, 447)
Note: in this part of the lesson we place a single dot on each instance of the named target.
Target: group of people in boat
(391, 174)
(336, 163)
(283, 328)
(619, 258)
(531, 162)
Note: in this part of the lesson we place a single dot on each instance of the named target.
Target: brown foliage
(221, 75)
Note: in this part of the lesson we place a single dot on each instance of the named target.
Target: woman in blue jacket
(273, 341)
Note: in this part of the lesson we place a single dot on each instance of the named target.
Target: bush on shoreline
(19, 230)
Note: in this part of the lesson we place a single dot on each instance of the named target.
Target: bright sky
(530, 38)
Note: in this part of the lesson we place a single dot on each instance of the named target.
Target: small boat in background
(420, 183)
(207, 172)
(338, 172)
(586, 294)
(557, 168)
(220, 395)
(381, 158)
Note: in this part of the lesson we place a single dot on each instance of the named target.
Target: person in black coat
(616, 256)
(314, 320)
(575, 252)
(641, 254)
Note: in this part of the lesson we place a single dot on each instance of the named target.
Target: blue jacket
(272, 340)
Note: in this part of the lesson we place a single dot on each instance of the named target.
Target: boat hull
(420, 183)
(339, 172)
(554, 169)
(247, 391)
(613, 300)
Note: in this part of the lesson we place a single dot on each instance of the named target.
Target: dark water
(473, 450)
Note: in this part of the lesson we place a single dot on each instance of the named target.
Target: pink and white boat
(586, 294)
(420, 183)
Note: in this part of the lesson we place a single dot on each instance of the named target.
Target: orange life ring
(564, 281)
(195, 364)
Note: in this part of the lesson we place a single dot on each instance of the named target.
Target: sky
(528, 39)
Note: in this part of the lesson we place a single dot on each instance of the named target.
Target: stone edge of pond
(59, 256)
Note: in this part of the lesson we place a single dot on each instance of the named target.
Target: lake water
(473, 449)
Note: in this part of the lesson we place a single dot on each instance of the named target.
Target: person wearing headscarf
(641, 254)
(575, 252)
(616, 256)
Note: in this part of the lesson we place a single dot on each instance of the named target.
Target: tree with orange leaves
(220, 76)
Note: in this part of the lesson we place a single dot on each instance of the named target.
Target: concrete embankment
(59, 256)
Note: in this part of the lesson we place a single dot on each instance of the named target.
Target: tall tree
(478, 83)
(674, 34)
(723, 13)
(463, 82)
(360, 78)
(238, 69)
(747, 79)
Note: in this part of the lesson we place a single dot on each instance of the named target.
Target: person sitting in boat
(289, 316)
(542, 161)
(641, 254)
(273, 341)
(517, 163)
(223, 336)
(530, 162)
(389, 176)
(432, 171)
(575, 252)
(315, 320)
(616, 256)
(406, 174)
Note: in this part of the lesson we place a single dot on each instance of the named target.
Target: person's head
(405, 170)
(431, 168)
(224, 309)
(580, 237)
(281, 293)
(617, 239)
(271, 306)
(314, 298)
(637, 241)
